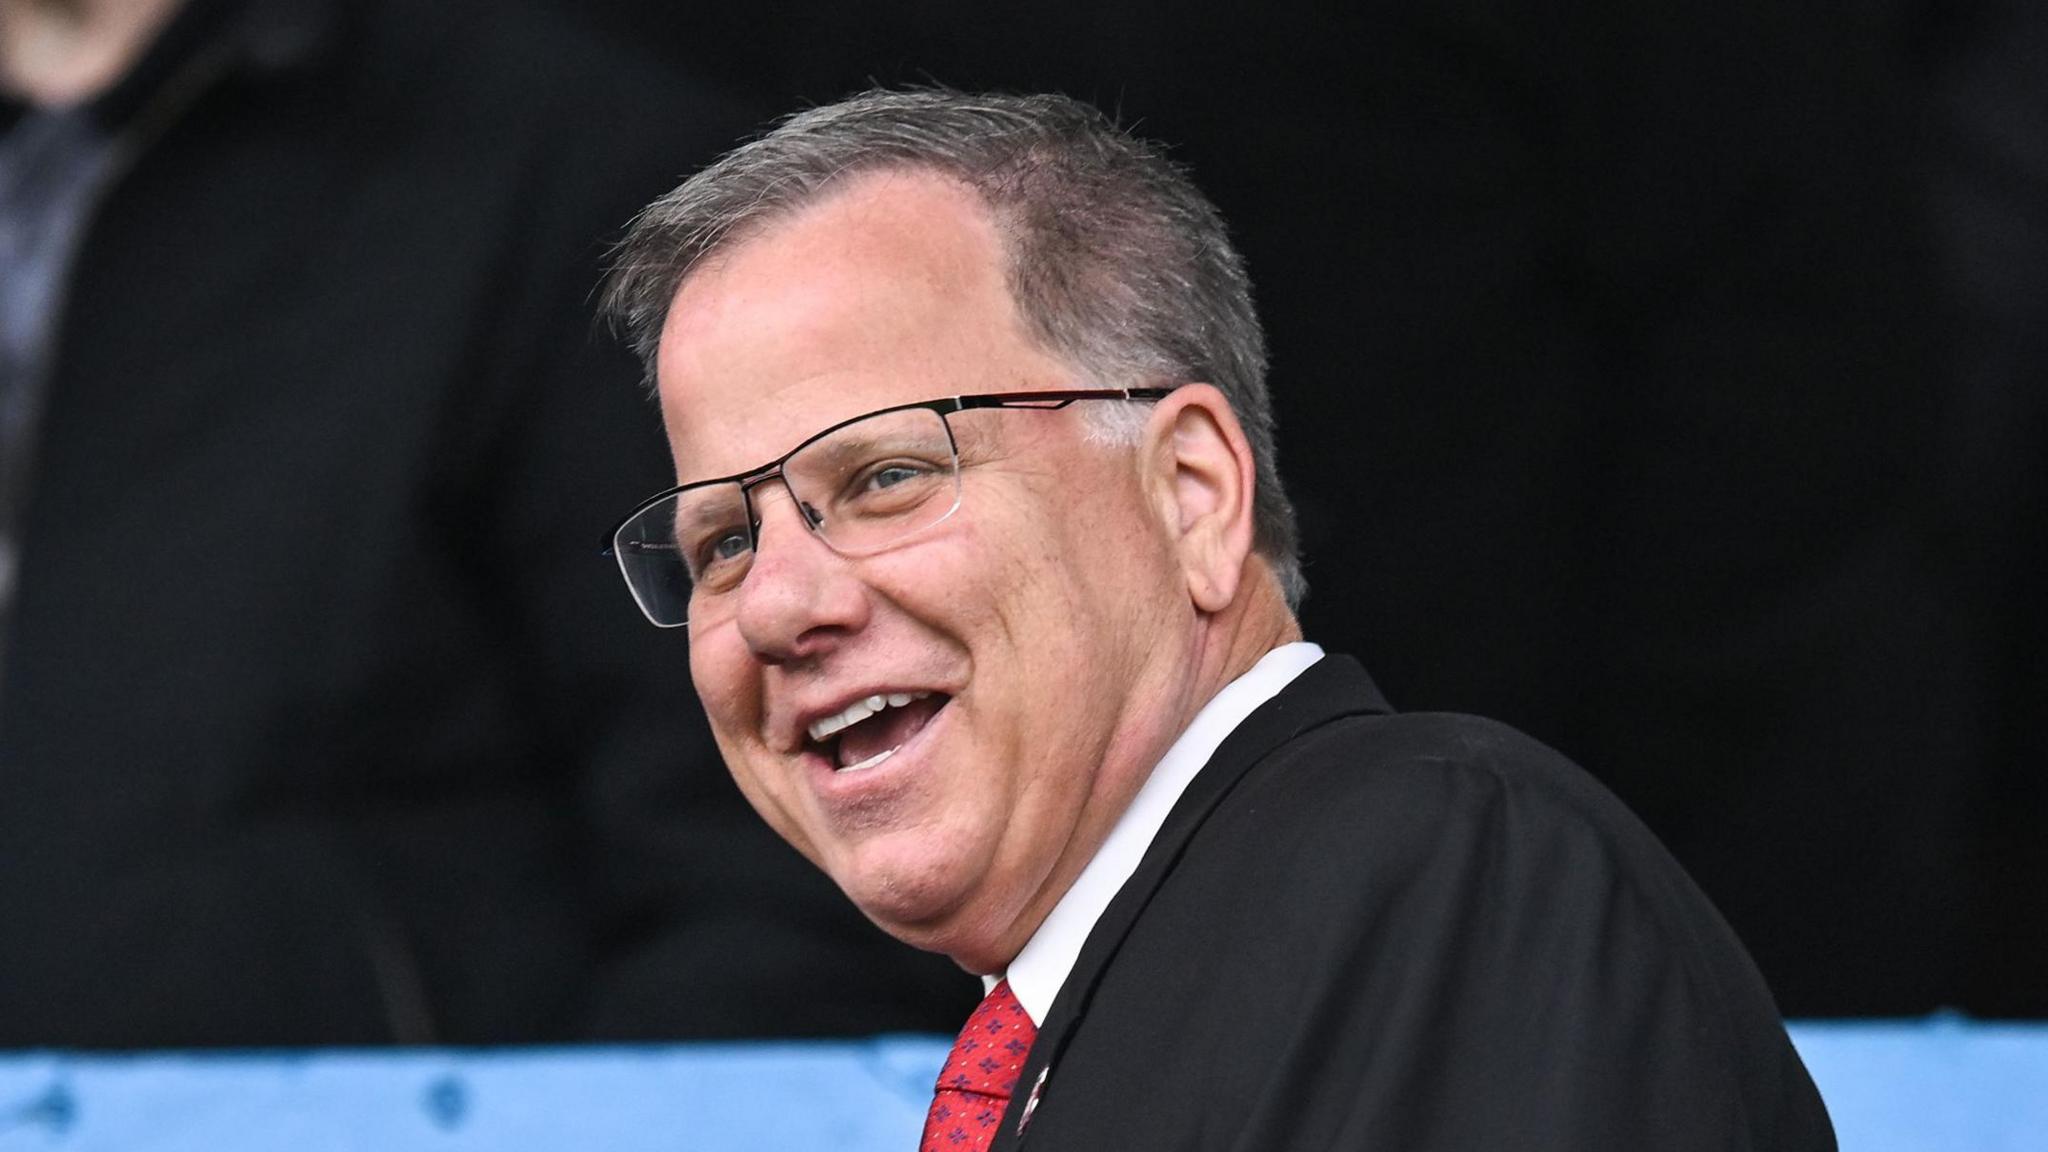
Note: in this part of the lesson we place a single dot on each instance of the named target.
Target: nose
(799, 598)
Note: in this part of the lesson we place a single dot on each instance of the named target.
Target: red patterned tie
(974, 1086)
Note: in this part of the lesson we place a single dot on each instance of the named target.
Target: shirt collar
(1038, 971)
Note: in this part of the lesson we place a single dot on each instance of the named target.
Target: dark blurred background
(1670, 381)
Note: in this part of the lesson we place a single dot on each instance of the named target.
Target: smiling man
(990, 583)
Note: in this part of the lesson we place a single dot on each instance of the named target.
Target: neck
(1257, 622)
(56, 53)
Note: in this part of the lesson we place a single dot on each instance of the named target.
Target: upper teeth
(860, 710)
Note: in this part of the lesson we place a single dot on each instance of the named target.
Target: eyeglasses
(862, 485)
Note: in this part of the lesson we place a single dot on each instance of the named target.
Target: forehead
(891, 290)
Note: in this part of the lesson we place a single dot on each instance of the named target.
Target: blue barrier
(1940, 1085)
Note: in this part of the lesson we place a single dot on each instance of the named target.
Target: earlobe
(1203, 466)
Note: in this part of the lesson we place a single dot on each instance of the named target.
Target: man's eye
(890, 475)
(718, 551)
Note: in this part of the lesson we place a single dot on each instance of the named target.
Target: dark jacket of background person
(323, 720)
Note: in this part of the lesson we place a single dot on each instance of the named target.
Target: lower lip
(836, 784)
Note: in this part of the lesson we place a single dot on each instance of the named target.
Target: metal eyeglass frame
(752, 478)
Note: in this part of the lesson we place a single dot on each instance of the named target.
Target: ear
(1199, 477)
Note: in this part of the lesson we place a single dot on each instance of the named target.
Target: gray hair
(1117, 262)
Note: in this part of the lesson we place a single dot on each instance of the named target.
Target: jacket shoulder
(1395, 786)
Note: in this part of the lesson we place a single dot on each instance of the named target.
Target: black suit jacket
(1366, 930)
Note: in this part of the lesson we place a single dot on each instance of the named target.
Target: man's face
(1044, 619)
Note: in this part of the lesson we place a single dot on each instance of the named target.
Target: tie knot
(991, 1048)
(980, 1073)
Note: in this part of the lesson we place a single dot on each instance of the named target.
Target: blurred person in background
(318, 723)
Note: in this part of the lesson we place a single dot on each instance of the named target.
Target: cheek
(759, 778)
(727, 685)
(724, 683)
(1087, 578)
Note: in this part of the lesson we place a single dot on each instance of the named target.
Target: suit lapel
(1333, 687)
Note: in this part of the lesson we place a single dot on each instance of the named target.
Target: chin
(921, 902)
(960, 938)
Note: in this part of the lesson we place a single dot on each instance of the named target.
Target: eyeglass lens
(861, 488)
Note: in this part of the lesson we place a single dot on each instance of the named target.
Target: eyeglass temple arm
(1054, 400)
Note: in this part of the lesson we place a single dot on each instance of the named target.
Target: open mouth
(869, 731)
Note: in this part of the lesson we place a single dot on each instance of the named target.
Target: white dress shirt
(1037, 973)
